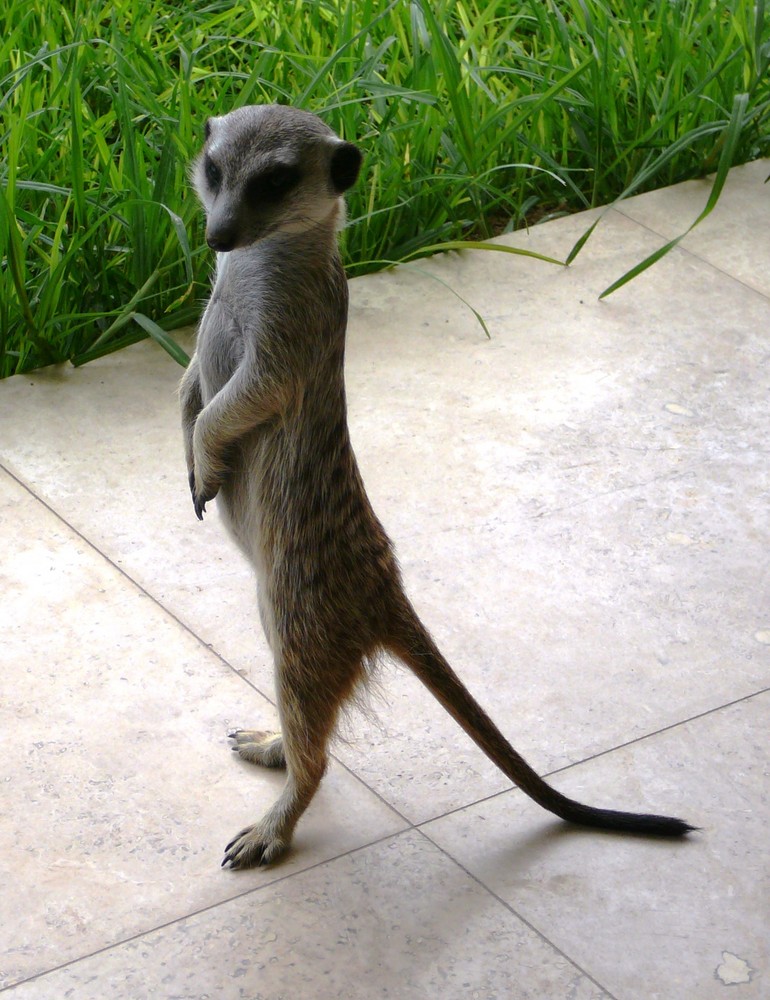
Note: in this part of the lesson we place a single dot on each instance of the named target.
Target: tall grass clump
(476, 116)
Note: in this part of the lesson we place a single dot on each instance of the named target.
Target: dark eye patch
(273, 184)
(213, 174)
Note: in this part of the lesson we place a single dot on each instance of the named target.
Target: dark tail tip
(660, 826)
(681, 829)
(625, 822)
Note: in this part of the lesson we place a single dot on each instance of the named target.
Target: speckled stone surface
(631, 911)
(581, 505)
(398, 919)
(119, 788)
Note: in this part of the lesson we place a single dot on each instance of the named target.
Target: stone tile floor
(582, 508)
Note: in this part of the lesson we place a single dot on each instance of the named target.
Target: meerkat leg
(259, 747)
(309, 702)
(191, 404)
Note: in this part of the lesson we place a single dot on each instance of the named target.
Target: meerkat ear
(208, 127)
(345, 164)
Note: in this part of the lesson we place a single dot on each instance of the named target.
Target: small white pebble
(680, 411)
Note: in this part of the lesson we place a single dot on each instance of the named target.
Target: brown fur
(264, 421)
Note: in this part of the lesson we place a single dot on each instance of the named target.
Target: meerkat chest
(220, 347)
(233, 315)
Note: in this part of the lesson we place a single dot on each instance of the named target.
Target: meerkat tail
(413, 644)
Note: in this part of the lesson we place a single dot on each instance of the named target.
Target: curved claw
(240, 857)
(248, 850)
(199, 502)
(200, 499)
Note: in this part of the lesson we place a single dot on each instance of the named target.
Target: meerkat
(265, 432)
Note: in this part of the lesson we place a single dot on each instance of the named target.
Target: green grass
(473, 120)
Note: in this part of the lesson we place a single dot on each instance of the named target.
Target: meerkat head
(270, 169)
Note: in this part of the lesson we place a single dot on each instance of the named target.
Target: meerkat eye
(282, 178)
(272, 184)
(213, 174)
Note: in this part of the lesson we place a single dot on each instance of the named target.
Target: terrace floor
(581, 505)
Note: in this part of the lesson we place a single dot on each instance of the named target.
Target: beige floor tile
(571, 397)
(650, 920)
(580, 503)
(735, 237)
(645, 625)
(395, 920)
(119, 790)
(102, 445)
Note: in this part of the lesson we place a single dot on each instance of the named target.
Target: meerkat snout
(268, 170)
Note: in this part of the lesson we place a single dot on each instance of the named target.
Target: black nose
(221, 242)
(222, 234)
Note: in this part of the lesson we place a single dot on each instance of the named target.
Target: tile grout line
(692, 253)
(541, 934)
(596, 756)
(341, 763)
(319, 864)
(202, 910)
(535, 930)
(135, 583)
(174, 618)
(663, 729)
(127, 576)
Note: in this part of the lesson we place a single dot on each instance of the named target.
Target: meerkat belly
(242, 511)
(241, 496)
(296, 506)
(323, 558)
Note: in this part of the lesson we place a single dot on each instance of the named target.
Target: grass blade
(480, 245)
(160, 336)
(728, 142)
(582, 241)
(103, 107)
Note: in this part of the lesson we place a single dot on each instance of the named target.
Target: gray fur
(265, 431)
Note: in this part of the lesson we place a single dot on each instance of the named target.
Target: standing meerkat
(265, 431)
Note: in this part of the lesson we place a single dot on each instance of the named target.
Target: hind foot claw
(252, 848)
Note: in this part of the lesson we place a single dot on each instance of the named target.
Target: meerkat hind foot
(253, 847)
(258, 747)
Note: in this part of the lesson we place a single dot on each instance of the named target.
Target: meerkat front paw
(199, 503)
(200, 494)
(258, 747)
(254, 847)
